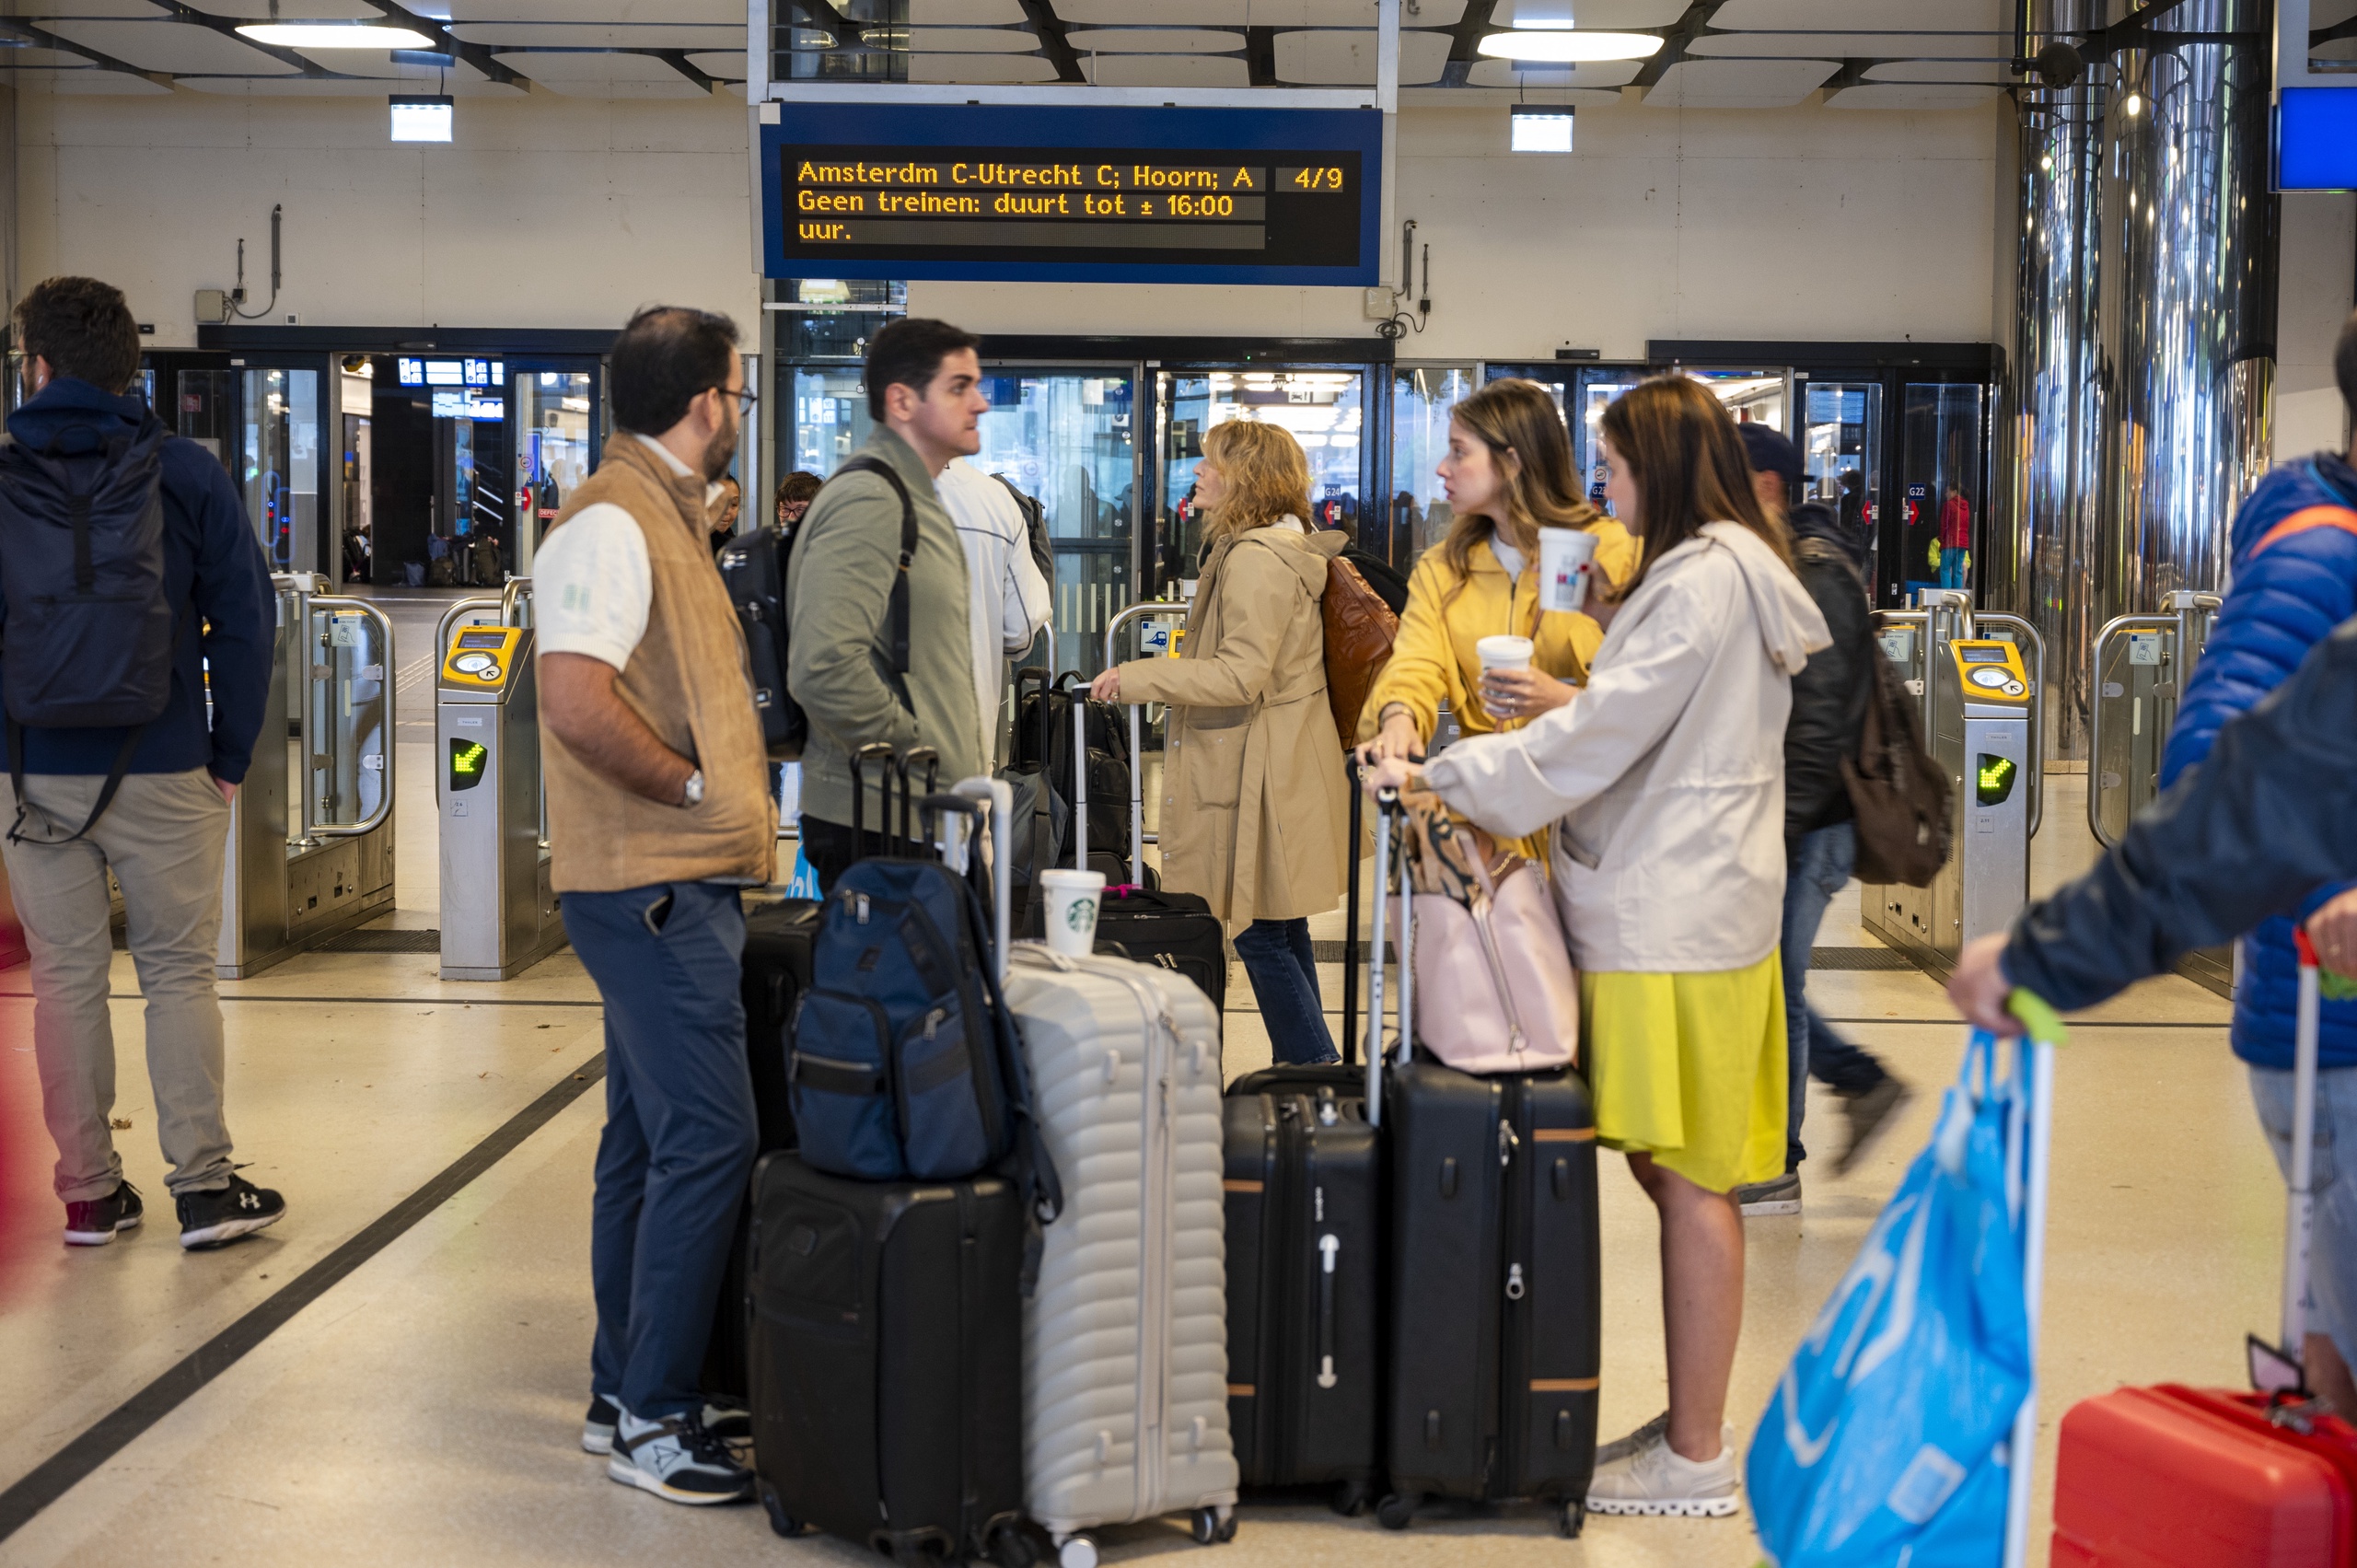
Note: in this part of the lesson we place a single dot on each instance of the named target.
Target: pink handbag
(1495, 989)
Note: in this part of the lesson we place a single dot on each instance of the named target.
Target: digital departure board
(1009, 193)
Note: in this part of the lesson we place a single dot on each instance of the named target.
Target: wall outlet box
(212, 307)
(293, 320)
(1382, 304)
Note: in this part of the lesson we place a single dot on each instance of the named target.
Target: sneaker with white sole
(1656, 1479)
(1651, 1433)
(677, 1458)
(598, 1426)
(1777, 1195)
(224, 1213)
(94, 1222)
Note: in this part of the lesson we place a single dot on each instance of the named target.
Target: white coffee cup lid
(1077, 881)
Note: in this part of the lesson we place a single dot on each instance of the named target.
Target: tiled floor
(425, 1409)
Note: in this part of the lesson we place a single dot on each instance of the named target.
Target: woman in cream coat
(1255, 809)
(1664, 780)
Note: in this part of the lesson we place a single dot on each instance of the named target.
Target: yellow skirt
(1690, 1068)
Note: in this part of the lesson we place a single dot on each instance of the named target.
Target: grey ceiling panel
(965, 13)
(1605, 15)
(602, 75)
(970, 41)
(982, 70)
(1591, 73)
(725, 64)
(1738, 84)
(575, 35)
(1894, 15)
(1899, 95)
(170, 46)
(1166, 71)
(1336, 58)
(83, 80)
(1849, 45)
(722, 12)
(1989, 72)
(1155, 40)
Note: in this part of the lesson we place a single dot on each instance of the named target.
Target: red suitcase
(2192, 1478)
(2173, 1477)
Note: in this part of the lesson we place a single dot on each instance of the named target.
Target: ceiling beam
(1674, 39)
(1261, 56)
(678, 60)
(478, 55)
(227, 27)
(1465, 38)
(1055, 41)
(41, 36)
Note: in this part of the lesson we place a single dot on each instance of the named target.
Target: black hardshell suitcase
(1493, 1267)
(886, 1362)
(1304, 1210)
(778, 939)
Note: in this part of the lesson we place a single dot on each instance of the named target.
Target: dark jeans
(1819, 868)
(1283, 967)
(680, 1134)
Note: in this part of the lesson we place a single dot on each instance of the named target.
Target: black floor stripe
(66, 1468)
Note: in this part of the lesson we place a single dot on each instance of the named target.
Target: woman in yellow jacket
(1508, 474)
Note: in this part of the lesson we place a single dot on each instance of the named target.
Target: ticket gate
(499, 914)
(1983, 697)
(2141, 664)
(310, 850)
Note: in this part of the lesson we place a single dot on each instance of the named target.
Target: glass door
(1421, 396)
(1323, 409)
(552, 426)
(1068, 437)
(1841, 443)
(263, 423)
(1581, 391)
(1943, 461)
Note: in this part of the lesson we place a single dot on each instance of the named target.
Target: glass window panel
(1323, 409)
(1421, 396)
(1942, 437)
(1842, 450)
(553, 451)
(1068, 438)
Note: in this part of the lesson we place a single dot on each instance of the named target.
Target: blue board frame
(853, 126)
(2316, 139)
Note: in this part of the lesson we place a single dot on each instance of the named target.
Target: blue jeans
(1953, 563)
(1819, 868)
(680, 1132)
(2332, 1248)
(1283, 967)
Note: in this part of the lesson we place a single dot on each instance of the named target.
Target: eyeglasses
(746, 397)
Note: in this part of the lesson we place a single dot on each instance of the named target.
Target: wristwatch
(691, 792)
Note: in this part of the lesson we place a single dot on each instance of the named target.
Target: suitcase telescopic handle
(1001, 797)
(2042, 1032)
(931, 759)
(874, 751)
(1387, 861)
(2300, 1223)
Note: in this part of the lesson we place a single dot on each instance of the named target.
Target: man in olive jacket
(925, 393)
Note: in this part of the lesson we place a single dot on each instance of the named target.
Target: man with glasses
(659, 812)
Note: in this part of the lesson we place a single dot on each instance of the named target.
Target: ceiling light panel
(1155, 40)
(981, 70)
(1336, 58)
(1901, 95)
(1519, 73)
(1165, 71)
(1856, 16)
(170, 46)
(335, 35)
(1738, 84)
(1558, 46)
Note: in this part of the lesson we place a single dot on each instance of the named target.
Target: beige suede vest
(688, 679)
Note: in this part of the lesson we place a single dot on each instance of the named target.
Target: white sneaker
(678, 1459)
(1655, 1480)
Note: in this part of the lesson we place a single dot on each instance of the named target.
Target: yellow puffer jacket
(1433, 659)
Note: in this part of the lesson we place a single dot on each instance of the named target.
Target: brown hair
(1689, 467)
(797, 486)
(1267, 473)
(1518, 422)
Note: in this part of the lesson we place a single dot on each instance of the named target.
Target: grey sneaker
(678, 1459)
(1780, 1195)
(1870, 1115)
(598, 1426)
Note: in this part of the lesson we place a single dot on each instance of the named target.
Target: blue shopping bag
(1885, 1444)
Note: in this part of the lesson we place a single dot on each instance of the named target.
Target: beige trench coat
(1255, 807)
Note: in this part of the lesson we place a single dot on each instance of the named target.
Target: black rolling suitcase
(1304, 1206)
(1493, 1266)
(886, 1362)
(778, 939)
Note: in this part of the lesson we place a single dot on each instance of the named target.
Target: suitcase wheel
(1078, 1551)
(1395, 1509)
(1212, 1526)
(1352, 1497)
(781, 1521)
(1571, 1519)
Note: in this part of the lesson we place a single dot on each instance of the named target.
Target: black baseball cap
(1771, 453)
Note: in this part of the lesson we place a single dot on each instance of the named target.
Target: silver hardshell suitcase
(1125, 1338)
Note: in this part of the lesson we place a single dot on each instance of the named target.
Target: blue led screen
(2316, 139)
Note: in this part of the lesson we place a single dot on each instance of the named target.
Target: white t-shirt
(1009, 600)
(1508, 557)
(591, 584)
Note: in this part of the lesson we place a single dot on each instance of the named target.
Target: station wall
(557, 212)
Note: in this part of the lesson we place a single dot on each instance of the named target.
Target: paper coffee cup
(1072, 897)
(1566, 561)
(1502, 652)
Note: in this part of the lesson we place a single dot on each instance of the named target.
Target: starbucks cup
(1566, 560)
(1072, 910)
(1502, 652)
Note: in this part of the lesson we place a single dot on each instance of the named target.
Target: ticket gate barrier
(2142, 665)
(1984, 707)
(310, 850)
(499, 913)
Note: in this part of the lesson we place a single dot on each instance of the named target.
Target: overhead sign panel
(1055, 194)
(2316, 139)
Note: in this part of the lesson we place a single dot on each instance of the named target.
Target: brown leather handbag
(1901, 797)
(1360, 629)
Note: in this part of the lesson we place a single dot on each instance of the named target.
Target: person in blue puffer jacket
(2294, 580)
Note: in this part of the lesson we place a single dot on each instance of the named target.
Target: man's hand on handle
(2333, 930)
(1978, 987)
(1107, 688)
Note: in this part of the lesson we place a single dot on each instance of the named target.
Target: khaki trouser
(164, 837)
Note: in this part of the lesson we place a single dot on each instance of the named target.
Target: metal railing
(1132, 615)
(302, 589)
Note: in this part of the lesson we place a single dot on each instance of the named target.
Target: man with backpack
(877, 596)
(659, 812)
(1830, 700)
(129, 571)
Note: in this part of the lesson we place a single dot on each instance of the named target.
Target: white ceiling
(1739, 54)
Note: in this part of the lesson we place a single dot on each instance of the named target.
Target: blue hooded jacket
(212, 564)
(2295, 579)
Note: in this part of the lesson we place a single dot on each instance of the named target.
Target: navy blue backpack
(905, 1063)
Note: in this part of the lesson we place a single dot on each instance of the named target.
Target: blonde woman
(1508, 474)
(1255, 809)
